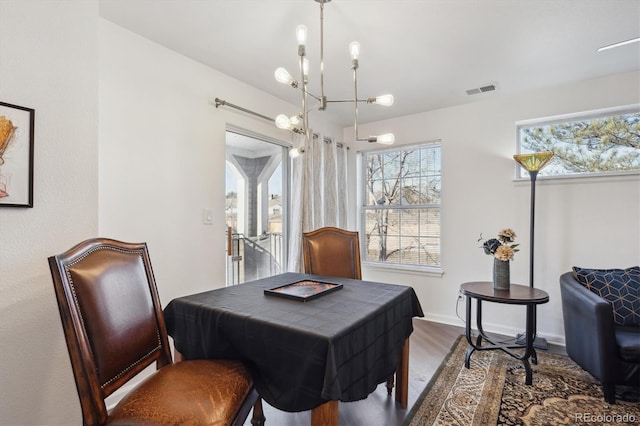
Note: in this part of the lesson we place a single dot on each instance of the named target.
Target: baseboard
(113, 399)
(492, 328)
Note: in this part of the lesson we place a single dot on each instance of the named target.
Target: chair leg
(258, 419)
(390, 384)
(609, 392)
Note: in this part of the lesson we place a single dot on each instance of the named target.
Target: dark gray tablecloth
(339, 346)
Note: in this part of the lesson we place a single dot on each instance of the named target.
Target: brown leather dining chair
(332, 252)
(114, 328)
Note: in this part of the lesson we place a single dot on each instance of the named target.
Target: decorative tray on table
(303, 290)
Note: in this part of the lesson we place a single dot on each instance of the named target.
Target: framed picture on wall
(16, 155)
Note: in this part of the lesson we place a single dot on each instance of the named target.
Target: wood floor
(430, 343)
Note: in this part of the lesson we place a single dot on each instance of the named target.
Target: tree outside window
(401, 206)
(605, 143)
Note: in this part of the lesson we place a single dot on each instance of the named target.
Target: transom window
(400, 221)
(587, 143)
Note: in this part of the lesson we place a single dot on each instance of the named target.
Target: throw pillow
(620, 287)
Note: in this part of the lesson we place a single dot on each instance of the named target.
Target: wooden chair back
(332, 252)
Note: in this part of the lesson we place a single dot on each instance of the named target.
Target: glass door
(255, 207)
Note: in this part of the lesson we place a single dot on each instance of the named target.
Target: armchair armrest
(589, 329)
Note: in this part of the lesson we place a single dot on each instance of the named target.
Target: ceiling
(427, 53)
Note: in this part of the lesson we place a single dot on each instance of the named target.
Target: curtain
(318, 192)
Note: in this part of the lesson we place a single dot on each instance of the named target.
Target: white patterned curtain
(318, 192)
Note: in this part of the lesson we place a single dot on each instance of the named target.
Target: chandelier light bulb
(283, 122)
(386, 139)
(354, 50)
(294, 120)
(283, 76)
(294, 153)
(301, 35)
(384, 100)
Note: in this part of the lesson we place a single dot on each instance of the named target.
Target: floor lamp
(532, 163)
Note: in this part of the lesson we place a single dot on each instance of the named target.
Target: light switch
(207, 216)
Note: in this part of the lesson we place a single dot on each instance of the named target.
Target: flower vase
(501, 275)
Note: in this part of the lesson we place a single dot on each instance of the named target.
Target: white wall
(591, 222)
(162, 155)
(48, 61)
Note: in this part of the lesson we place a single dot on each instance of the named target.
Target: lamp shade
(535, 161)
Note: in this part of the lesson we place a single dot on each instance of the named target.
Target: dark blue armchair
(608, 351)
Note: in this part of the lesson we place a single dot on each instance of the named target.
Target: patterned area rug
(492, 391)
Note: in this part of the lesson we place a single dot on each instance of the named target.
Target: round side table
(516, 295)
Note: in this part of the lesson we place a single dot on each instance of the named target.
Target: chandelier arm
(317, 98)
(323, 98)
(354, 67)
(355, 105)
(305, 112)
(348, 100)
(303, 90)
(355, 97)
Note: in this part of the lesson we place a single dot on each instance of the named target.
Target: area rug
(492, 391)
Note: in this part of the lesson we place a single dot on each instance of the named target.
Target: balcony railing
(252, 258)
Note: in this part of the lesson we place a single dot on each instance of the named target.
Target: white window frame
(363, 208)
(521, 174)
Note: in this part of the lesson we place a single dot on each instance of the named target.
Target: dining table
(304, 353)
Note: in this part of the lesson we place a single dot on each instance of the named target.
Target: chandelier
(300, 123)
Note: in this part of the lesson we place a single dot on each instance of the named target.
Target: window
(588, 143)
(401, 206)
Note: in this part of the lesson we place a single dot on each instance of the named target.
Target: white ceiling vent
(487, 88)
